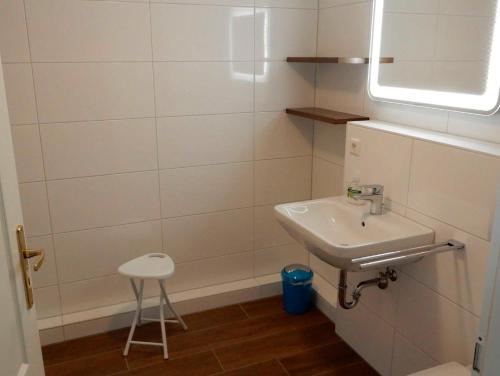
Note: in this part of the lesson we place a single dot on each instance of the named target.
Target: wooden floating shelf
(337, 60)
(324, 115)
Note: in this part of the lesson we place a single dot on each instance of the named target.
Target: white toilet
(448, 369)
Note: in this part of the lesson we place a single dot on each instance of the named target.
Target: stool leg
(177, 316)
(136, 293)
(136, 317)
(163, 331)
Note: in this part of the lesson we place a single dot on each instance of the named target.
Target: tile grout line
(49, 212)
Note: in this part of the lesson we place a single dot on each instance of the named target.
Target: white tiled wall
(144, 126)
(431, 314)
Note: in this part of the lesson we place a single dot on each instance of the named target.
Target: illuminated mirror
(447, 54)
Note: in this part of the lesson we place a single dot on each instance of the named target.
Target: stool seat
(151, 266)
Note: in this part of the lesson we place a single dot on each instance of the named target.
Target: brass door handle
(25, 254)
(28, 253)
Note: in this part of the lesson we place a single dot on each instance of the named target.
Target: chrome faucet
(373, 193)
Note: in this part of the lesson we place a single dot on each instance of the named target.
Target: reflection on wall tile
(208, 32)
(280, 85)
(97, 148)
(280, 33)
(208, 235)
(20, 94)
(207, 138)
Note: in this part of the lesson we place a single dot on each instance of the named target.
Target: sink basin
(337, 231)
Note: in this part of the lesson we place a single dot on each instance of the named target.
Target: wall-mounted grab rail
(406, 255)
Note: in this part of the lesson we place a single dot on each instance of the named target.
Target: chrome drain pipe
(382, 282)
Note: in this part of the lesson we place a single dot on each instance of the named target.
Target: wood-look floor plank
(357, 369)
(320, 359)
(276, 345)
(263, 307)
(223, 335)
(88, 346)
(202, 364)
(270, 368)
(103, 364)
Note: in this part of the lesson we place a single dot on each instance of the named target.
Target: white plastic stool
(151, 266)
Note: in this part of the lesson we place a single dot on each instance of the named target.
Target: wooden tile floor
(255, 338)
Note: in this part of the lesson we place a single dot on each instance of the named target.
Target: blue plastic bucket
(297, 288)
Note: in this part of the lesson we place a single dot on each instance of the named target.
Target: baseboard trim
(104, 319)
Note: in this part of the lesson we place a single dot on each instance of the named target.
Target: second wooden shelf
(324, 115)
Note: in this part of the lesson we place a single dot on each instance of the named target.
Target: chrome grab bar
(406, 255)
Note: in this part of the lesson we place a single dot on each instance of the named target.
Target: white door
(486, 357)
(20, 352)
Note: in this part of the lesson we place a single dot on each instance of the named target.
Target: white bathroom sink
(337, 231)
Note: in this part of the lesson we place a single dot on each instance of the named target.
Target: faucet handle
(374, 189)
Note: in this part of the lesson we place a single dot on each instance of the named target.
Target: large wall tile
(408, 359)
(212, 139)
(280, 33)
(341, 87)
(20, 93)
(103, 200)
(208, 32)
(305, 4)
(93, 91)
(435, 324)
(95, 293)
(459, 276)
(79, 31)
(211, 272)
(99, 252)
(200, 88)
(345, 31)
(461, 193)
(208, 235)
(485, 128)
(268, 232)
(47, 275)
(273, 260)
(35, 208)
(328, 272)
(28, 153)
(242, 3)
(196, 190)
(98, 148)
(278, 135)
(14, 45)
(384, 159)
(47, 302)
(282, 180)
(327, 179)
(279, 85)
(369, 335)
(329, 142)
